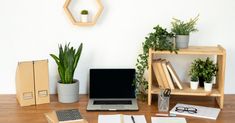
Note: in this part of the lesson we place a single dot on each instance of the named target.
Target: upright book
(157, 74)
(167, 74)
(174, 75)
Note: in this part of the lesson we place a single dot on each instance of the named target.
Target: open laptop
(112, 89)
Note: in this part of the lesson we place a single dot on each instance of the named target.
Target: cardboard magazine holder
(32, 82)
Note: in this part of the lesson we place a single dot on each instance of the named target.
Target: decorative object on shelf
(182, 30)
(67, 87)
(76, 22)
(218, 89)
(194, 80)
(209, 72)
(84, 16)
(161, 40)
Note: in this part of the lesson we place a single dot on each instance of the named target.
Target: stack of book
(165, 74)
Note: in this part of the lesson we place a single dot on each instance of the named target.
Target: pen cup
(163, 101)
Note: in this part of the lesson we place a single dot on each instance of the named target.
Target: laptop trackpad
(112, 102)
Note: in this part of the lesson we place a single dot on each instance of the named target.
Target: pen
(132, 118)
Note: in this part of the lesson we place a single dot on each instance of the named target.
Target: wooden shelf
(197, 50)
(218, 90)
(187, 91)
(75, 22)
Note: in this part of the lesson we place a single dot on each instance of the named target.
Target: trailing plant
(84, 12)
(184, 28)
(160, 39)
(67, 62)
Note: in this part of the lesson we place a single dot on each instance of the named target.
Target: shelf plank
(188, 91)
(200, 50)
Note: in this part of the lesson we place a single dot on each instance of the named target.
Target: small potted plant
(67, 87)
(84, 16)
(182, 31)
(209, 72)
(194, 80)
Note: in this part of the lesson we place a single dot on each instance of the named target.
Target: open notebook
(120, 118)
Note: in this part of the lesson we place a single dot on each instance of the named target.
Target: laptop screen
(112, 83)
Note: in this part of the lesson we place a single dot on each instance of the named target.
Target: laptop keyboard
(112, 102)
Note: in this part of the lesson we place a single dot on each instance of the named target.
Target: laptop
(111, 90)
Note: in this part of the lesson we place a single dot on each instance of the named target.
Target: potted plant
(67, 87)
(194, 80)
(84, 16)
(209, 72)
(182, 30)
(198, 68)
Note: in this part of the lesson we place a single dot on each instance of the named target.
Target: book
(120, 118)
(52, 118)
(157, 74)
(174, 75)
(201, 111)
(167, 74)
(162, 74)
(68, 115)
(168, 120)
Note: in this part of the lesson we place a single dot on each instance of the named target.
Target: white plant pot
(207, 86)
(68, 93)
(84, 18)
(194, 85)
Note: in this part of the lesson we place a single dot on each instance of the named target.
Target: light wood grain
(218, 90)
(150, 72)
(189, 92)
(11, 112)
(196, 50)
(75, 22)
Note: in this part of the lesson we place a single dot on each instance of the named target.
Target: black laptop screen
(112, 83)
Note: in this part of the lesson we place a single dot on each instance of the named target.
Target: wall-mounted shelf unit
(78, 23)
(218, 88)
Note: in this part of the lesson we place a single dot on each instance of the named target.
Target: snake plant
(67, 62)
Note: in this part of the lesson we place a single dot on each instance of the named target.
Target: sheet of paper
(138, 119)
(168, 120)
(109, 118)
(118, 118)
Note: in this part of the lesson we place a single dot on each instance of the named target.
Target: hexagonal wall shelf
(75, 22)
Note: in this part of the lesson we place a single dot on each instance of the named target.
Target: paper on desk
(168, 120)
(118, 118)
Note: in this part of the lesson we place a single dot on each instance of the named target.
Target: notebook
(201, 111)
(120, 118)
(68, 115)
(52, 118)
(168, 120)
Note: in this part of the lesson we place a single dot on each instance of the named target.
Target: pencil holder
(163, 100)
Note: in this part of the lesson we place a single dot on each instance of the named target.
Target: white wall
(31, 29)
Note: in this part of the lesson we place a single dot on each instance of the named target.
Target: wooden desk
(11, 112)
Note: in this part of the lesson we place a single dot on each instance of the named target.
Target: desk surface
(11, 112)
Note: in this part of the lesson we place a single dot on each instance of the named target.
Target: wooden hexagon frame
(73, 20)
